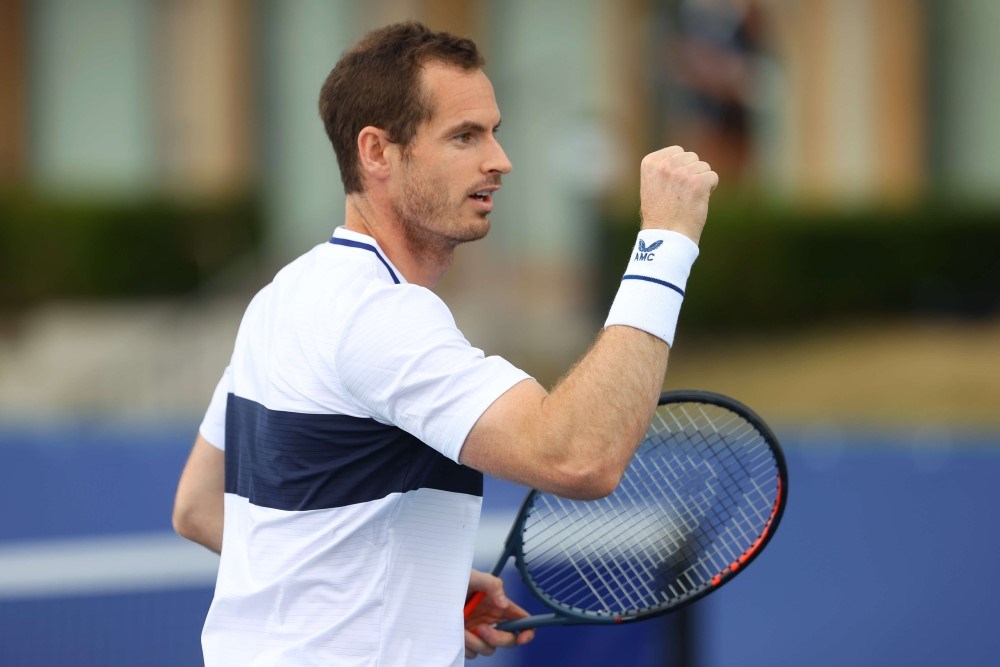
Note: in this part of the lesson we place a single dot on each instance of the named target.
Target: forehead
(458, 95)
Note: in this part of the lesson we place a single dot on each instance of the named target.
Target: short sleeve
(402, 358)
(213, 427)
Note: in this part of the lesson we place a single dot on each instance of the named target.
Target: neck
(419, 260)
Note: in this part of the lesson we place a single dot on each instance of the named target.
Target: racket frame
(514, 545)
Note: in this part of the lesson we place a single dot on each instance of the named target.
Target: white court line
(140, 562)
(103, 564)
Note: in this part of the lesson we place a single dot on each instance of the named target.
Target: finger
(525, 636)
(699, 167)
(497, 596)
(661, 155)
(514, 611)
(491, 586)
(669, 151)
(476, 645)
(713, 179)
(684, 159)
(494, 637)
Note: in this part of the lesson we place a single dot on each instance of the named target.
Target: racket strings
(697, 495)
(745, 440)
(740, 483)
(602, 557)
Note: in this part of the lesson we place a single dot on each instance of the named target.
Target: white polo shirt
(349, 524)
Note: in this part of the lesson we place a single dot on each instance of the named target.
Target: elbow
(183, 523)
(587, 480)
(186, 522)
(600, 484)
(195, 524)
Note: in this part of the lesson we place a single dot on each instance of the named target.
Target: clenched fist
(674, 188)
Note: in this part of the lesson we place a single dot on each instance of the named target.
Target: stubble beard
(431, 224)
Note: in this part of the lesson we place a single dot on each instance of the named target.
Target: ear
(375, 153)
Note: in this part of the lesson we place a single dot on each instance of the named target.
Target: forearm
(604, 406)
(199, 506)
(202, 526)
(578, 440)
(601, 409)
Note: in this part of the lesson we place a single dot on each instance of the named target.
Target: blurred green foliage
(764, 268)
(98, 250)
(761, 267)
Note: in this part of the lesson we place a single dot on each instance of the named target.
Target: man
(349, 434)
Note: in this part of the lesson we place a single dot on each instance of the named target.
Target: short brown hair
(377, 83)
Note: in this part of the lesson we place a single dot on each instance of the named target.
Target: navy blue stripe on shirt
(632, 276)
(296, 462)
(365, 246)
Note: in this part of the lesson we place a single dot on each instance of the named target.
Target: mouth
(484, 196)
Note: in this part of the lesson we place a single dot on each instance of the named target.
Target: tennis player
(338, 469)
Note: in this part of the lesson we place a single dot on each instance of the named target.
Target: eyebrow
(468, 126)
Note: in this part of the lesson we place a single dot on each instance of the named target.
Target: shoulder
(395, 322)
(405, 303)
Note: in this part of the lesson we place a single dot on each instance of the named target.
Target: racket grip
(473, 602)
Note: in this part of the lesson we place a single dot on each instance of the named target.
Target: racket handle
(473, 602)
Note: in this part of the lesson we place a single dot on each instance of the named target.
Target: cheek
(442, 184)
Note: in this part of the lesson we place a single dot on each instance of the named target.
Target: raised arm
(578, 440)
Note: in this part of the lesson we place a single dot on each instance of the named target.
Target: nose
(497, 161)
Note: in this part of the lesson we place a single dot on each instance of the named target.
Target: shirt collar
(351, 239)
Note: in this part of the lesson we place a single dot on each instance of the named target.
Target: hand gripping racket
(700, 499)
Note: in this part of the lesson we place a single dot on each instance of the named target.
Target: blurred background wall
(160, 159)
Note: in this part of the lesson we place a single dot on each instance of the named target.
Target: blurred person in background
(713, 63)
(339, 466)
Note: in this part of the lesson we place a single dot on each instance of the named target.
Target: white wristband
(652, 288)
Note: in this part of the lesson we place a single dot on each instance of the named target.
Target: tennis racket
(699, 501)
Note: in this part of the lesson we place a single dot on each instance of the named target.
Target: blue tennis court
(885, 556)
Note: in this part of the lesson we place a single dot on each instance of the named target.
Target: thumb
(497, 595)
(492, 587)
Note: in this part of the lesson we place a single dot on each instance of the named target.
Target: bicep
(577, 441)
(505, 440)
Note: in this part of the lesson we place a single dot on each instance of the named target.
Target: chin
(472, 231)
(480, 230)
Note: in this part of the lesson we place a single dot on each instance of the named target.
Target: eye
(465, 138)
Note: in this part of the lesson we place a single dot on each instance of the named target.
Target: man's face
(443, 190)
